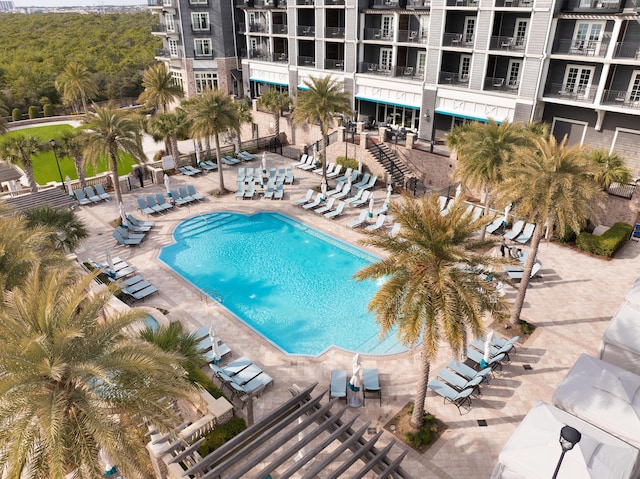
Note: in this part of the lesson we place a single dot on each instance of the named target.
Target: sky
(74, 3)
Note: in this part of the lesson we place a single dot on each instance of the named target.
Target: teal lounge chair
(468, 372)
(288, 176)
(186, 171)
(371, 384)
(240, 191)
(269, 193)
(459, 399)
(458, 382)
(338, 384)
(125, 241)
(184, 195)
(142, 206)
(101, 193)
(92, 195)
(81, 198)
(191, 190)
(129, 226)
(129, 235)
(141, 294)
(250, 191)
(151, 202)
(162, 202)
(279, 192)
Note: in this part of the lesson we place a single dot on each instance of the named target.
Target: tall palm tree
(550, 185)
(608, 168)
(159, 88)
(275, 102)
(18, 150)
(484, 150)
(432, 290)
(3, 113)
(244, 116)
(77, 84)
(66, 229)
(70, 144)
(319, 104)
(209, 115)
(73, 384)
(169, 127)
(110, 133)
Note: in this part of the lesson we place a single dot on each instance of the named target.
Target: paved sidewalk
(571, 304)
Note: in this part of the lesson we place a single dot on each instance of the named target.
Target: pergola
(54, 197)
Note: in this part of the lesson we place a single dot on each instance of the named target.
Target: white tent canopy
(534, 449)
(604, 395)
(621, 340)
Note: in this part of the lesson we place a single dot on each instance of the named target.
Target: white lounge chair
(303, 160)
(364, 199)
(365, 180)
(337, 212)
(306, 199)
(315, 203)
(527, 233)
(327, 207)
(359, 221)
(337, 189)
(495, 225)
(395, 230)
(378, 224)
(356, 197)
(345, 191)
(517, 275)
(515, 230)
(335, 172)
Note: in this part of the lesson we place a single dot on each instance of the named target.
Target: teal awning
(268, 82)
(358, 97)
(466, 116)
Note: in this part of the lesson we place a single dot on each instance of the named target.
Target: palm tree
(211, 114)
(66, 230)
(3, 113)
(608, 168)
(484, 150)
(76, 83)
(169, 127)
(319, 104)
(70, 144)
(275, 102)
(110, 133)
(159, 88)
(244, 116)
(550, 185)
(72, 384)
(432, 289)
(18, 150)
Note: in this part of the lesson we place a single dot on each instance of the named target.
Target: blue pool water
(286, 280)
(151, 322)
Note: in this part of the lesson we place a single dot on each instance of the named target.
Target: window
(422, 61)
(513, 74)
(634, 86)
(521, 31)
(469, 29)
(206, 81)
(176, 78)
(198, 2)
(387, 27)
(170, 24)
(465, 67)
(173, 47)
(200, 21)
(577, 80)
(424, 26)
(587, 36)
(202, 47)
(385, 59)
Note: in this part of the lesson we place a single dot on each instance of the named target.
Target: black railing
(623, 191)
(385, 160)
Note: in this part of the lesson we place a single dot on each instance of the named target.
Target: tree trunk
(114, 177)
(174, 149)
(324, 157)
(417, 417)
(216, 142)
(28, 170)
(487, 202)
(77, 161)
(207, 141)
(276, 122)
(84, 102)
(526, 275)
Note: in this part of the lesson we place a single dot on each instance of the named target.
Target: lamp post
(52, 142)
(569, 437)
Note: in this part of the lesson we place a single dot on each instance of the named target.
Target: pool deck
(571, 305)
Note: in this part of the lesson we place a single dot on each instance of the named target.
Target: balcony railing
(408, 73)
(595, 6)
(162, 28)
(514, 3)
(621, 98)
(571, 92)
(385, 35)
(627, 50)
(462, 3)
(330, 64)
(306, 31)
(453, 78)
(507, 44)
(198, 3)
(385, 3)
(413, 36)
(165, 53)
(334, 32)
(306, 61)
(261, 55)
(200, 29)
(257, 28)
(305, 2)
(161, 3)
(375, 69)
(279, 28)
(457, 40)
(334, 2)
(499, 84)
(418, 4)
(582, 47)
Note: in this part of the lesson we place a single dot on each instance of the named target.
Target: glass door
(464, 69)
(521, 32)
(386, 57)
(387, 27)
(513, 74)
(469, 30)
(577, 80)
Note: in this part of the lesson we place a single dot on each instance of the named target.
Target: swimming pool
(289, 282)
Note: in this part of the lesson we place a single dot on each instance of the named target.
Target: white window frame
(201, 46)
(204, 80)
(421, 62)
(585, 87)
(200, 21)
(198, 2)
(589, 42)
(169, 22)
(173, 47)
(633, 94)
(584, 124)
(510, 69)
(176, 78)
(388, 54)
(469, 30)
(461, 69)
(386, 26)
(521, 40)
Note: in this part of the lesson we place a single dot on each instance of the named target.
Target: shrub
(607, 243)
(347, 162)
(48, 110)
(33, 112)
(421, 438)
(16, 114)
(221, 434)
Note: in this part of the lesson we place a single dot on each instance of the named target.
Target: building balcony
(621, 98)
(418, 4)
(306, 31)
(385, 35)
(375, 69)
(627, 50)
(334, 2)
(456, 40)
(265, 56)
(330, 64)
(593, 6)
(514, 3)
(412, 36)
(462, 3)
(269, 4)
(166, 54)
(408, 73)
(163, 4)
(386, 4)
(500, 85)
(453, 78)
(305, 2)
(306, 61)
(279, 29)
(162, 29)
(581, 47)
(506, 44)
(334, 32)
(571, 92)
(258, 28)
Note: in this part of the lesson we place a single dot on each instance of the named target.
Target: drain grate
(372, 430)
(482, 422)
(527, 367)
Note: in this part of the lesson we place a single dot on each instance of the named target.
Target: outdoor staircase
(387, 158)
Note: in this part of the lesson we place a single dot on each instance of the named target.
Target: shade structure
(621, 340)
(214, 345)
(371, 202)
(67, 182)
(264, 163)
(387, 199)
(167, 183)
(195, 146)
(359, 165)
(109, 261)
(123, 213)
(487, 350)
(505, 219)
(323, 188)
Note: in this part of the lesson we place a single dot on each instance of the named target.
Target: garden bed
(419, 440)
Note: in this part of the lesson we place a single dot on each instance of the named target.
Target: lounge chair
(250, 191)
(279, 192)
(129, 226)
(500, 342)
(338, 189)
(459, 399)
(191, 190)
(495, 225)
(514, 231)
(477, 357)
(81, 198)
(315, 203)
(91, 195)
(288, 176)
(141, 294)
(442, 202)
(359, 221)
(129, 235)
(337, 212)
(101, 193)
(378, 224)
(206, 346)
(335, 172)
(327, 207)
(371, 384)
(246, 156)
(363, 182)
(458, 382)
(207, 166)
(269, 193)
(185, 171)
(344, 193)
(307, 162)
(370, 184)
(240, 190)
(227, 372)
(517, 275)
(496, 350)
(162, 201)
(527, 233)
(240, 175)
(345, 176)
(125, 241)
(364, 199)
(227, 160)
(338, 384)
(262, 380)
(137, 222)
(305, 199)
(356, 197)
(151, 202)
(303, 160)
(318, 171)
(477, 213)
(395, 230)
(175, 196)
(468, 372)
(194, 171)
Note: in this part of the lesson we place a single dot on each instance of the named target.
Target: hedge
(16, 114)
(48, 110)
(33, 112)
(607, 243)
(221, 434)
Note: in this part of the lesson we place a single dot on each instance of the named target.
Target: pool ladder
(208, 294)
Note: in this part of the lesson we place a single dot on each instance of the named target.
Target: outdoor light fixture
(52, 142)
(427, 116)
(569, 437)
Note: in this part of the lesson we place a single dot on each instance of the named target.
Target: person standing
(140, 177)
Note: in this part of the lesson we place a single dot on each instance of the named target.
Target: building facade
(426, 65)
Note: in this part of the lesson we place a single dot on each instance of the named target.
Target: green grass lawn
(44, 164)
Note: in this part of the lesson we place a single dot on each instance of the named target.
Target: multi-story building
(426, 64)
